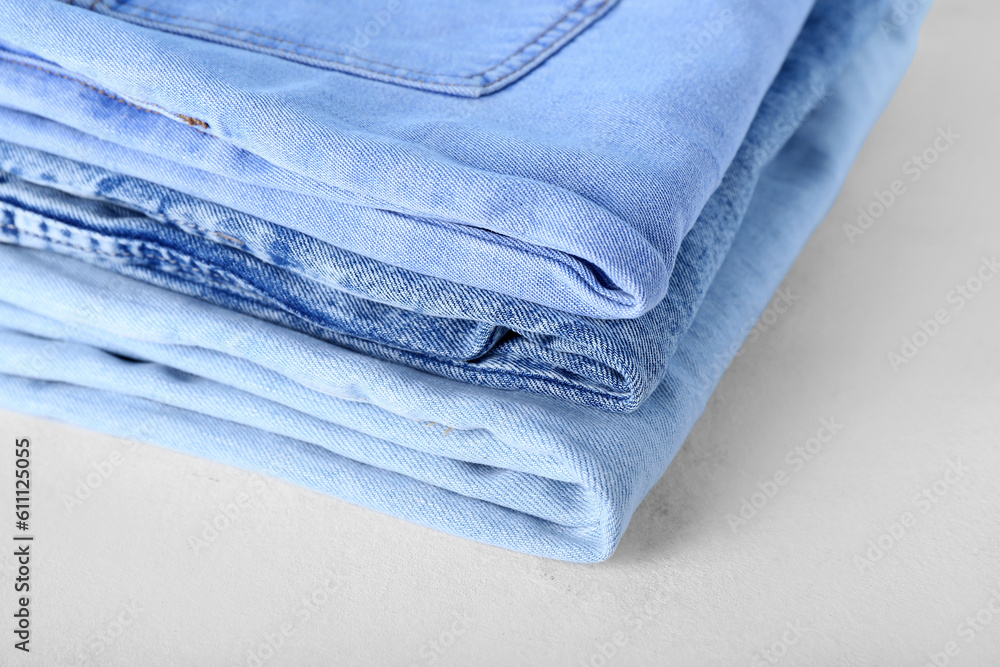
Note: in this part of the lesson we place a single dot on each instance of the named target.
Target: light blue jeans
(287, 277)
(107, 351)
(565, 150)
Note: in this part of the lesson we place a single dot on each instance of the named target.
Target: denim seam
(206, 279)
(193, 227)
(104, 4)
(218, 280)
(194, 123)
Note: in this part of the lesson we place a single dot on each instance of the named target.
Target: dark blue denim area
(476, 336)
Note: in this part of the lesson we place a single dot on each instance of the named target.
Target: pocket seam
(105, 6)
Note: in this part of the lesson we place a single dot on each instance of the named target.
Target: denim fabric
(448, 329)
(571, 187)
(103, 350)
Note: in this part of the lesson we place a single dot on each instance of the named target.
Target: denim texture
(530, 473)
(571, 187)
(480, 337)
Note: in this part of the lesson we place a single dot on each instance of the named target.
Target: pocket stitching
(105, 6)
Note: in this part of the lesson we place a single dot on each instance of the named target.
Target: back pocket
(461, 47)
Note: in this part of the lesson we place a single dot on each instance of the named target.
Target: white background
(685, 587)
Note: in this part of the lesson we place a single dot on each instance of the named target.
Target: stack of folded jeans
(472, 265)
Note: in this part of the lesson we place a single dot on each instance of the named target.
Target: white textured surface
(684, 588)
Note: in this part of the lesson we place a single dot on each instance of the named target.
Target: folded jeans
(480, 337)
(582, 169)
(530, 473)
